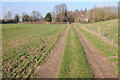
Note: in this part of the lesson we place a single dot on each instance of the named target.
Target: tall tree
(35, 16)
(48, 17)
(61, 11)
(53, 15)
(17, 18)
(62, 8)
(8, 15)
(62, 17)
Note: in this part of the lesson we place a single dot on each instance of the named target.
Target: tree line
(61, 14)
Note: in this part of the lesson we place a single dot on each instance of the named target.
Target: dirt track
(100, 65)
(50, 68)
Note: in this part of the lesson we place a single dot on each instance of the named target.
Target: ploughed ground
(50, 69)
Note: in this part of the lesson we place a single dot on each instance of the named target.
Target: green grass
(74, 63)
(106, 27)
(25, 47)
(1, 51)
(108, 50)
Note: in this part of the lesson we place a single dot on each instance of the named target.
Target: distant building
(84, 17)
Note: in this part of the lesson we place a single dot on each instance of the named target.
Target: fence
(102, 37)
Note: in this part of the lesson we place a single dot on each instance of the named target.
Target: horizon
(45, 7)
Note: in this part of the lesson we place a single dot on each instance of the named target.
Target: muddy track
(100, 65)
(50, 68)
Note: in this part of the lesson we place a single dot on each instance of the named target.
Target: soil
(100, 65)
(50, 69)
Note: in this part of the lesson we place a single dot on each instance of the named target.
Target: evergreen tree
(17, 18)
(48, 17)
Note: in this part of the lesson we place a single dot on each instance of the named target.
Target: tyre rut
(50, 69)
(100, 65)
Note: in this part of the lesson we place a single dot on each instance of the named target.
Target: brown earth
(50, 68)
(100, 65)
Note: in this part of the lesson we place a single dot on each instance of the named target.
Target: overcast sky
(44, 7)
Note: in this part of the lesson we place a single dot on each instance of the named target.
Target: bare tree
(35, 16)
(61, 12)
(93, 13)
(62, 8)
(53, 15)
(8, 15)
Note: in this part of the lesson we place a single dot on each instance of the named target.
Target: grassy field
(107, 29)
(25, 47)
(74, 63)
(0, 51)
(109, 51)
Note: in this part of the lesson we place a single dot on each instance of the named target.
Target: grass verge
(109, 51)
(107, 29)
